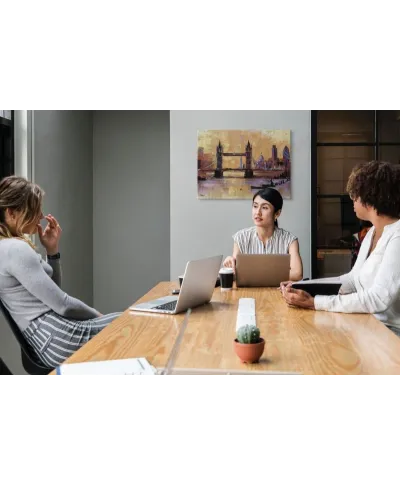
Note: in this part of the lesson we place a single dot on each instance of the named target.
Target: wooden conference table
(297, 341)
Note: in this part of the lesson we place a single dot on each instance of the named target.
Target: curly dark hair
(377, 184)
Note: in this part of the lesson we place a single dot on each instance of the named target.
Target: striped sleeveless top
(249, 243)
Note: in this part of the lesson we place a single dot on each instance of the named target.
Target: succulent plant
(248, 334)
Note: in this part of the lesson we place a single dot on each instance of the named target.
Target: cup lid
(226, 270)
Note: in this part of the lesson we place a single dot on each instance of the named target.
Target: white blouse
(249, 242)
(373, 285)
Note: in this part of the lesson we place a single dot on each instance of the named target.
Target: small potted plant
(248, 345)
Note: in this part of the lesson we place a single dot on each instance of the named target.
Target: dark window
(340, 140)
(6, 143)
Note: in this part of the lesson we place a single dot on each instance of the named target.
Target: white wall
(201, 228)
(130, 205)
(23, 143)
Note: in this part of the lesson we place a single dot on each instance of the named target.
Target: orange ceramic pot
(249, 353)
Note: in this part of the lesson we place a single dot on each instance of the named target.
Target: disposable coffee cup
(180, 279)
(226, 277)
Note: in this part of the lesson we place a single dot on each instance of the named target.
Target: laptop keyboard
(167, 306)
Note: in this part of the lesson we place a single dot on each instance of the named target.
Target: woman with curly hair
(373, 284)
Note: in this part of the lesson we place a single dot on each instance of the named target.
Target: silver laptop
(197, 288)
(262, 270)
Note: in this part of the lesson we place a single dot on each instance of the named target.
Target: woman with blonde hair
(54, 324)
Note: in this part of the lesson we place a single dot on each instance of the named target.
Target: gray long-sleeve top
(30, 287)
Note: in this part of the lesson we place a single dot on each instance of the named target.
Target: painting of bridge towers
(235, 164)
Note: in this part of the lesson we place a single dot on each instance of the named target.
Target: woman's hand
(50, 235)
(230, 262)
(298, 298)
(285, 284)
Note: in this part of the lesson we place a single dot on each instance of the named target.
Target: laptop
(197, 288)
(262, 269)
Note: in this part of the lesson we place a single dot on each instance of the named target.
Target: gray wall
(130, 205)
(201, 228)
(62, 165)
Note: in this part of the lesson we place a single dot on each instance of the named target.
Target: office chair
(4, 370)
(28, 361)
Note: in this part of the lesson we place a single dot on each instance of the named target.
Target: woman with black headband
(266, 237)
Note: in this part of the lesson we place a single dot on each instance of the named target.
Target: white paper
(247, 305)
(246, 314)
(243, 320)
(132, 367)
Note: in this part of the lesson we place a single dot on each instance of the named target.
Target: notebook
(328, 286)
(133, 367)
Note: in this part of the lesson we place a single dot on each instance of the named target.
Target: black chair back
(4, 370)
(28, 361)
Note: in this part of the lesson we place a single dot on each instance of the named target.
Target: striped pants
(394, 330)
(54, 338)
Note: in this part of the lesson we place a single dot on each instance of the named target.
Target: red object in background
(358, 238)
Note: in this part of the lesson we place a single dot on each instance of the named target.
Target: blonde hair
(19, 194)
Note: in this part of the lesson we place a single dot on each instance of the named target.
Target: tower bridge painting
(234, 164)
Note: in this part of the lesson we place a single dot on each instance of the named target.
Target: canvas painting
(235, 164)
